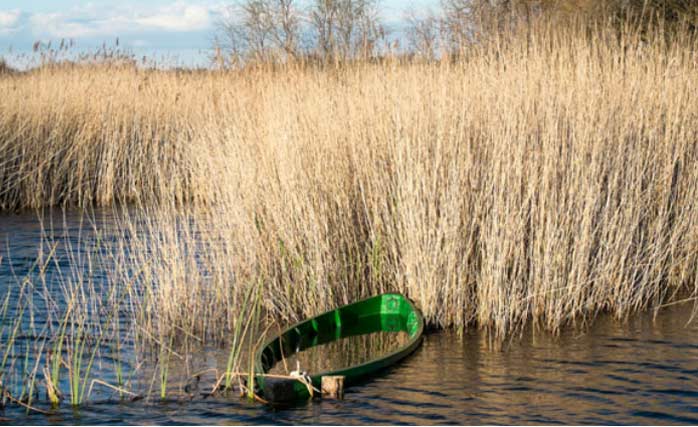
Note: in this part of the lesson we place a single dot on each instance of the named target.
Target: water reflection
(343, 353)
(642, 371)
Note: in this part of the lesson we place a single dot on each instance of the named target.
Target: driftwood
(333, 386)
(279, 389)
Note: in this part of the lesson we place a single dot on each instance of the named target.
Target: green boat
(383, 313)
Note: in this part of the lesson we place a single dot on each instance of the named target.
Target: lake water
(342, 353)
(643, 371)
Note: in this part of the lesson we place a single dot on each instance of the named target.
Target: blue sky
(182, 28)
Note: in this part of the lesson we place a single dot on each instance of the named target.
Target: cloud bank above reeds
(142, 24)
(155, 25)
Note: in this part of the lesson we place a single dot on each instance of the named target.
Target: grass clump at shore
(544, 177)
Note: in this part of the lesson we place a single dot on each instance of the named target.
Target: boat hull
(386, 313)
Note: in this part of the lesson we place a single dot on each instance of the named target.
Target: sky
(181, 30)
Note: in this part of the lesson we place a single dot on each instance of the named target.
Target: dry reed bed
(540, 178)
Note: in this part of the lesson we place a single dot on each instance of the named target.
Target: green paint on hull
(383, 313)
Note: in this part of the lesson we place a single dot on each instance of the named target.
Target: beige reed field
(539, 178)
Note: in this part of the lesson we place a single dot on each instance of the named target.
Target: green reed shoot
(239, 334)
(255, 319)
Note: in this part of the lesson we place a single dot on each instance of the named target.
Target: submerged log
(279, 390)
(333, 386)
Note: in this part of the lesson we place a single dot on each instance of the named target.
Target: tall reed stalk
(544, 177)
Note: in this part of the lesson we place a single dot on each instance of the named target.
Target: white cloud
(9, 21)
(58, 25)
(178, 18)
(89, 21)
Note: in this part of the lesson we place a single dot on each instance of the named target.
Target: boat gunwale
(403, 351)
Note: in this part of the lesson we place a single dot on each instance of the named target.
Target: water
(643, 371)
(342, 353)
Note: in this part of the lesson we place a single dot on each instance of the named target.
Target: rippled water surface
(342, 353)
(644, 371)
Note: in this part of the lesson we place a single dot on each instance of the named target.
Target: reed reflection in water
(342, 353)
